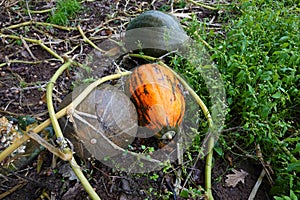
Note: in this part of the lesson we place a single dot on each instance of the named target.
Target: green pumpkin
(155, 33)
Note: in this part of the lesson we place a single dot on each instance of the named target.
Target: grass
(259, 60)
(64, 12)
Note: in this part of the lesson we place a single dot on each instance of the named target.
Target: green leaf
(276, 95)
(24, 121)
(284, 38)
(184, 193)
(219, 151)
(294, 166)
(297, 148)
(293, 195)
(284, 45)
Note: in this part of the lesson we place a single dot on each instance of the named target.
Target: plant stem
(49, 93)
(76, 168)
(208, 168)
(88, 40)
(39, 11)
(88, 188)
(39, 42)
(292, 157)
(202, 5)
(41, 24)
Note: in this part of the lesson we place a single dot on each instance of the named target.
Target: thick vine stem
(208, 166)
(49, 93)
(88, 188)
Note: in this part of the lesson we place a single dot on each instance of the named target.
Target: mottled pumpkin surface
(155, 33)
(107, 111)
(156, 93)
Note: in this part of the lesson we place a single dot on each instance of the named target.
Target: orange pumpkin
(159, 101)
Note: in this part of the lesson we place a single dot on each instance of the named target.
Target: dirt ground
(25, 71)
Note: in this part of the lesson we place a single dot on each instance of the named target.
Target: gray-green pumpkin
(155, 33)
(104, 122)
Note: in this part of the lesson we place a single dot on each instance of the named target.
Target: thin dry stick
(257, 184)
(40, 11)
(15, 188)
(28, 10)
(20, 61)
(27, 48)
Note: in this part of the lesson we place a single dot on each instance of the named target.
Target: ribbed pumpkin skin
(156, 94)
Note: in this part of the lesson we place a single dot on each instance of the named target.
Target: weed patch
(64, 11)
(259, 60)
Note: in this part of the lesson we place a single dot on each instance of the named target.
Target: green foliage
(259, 60)
(192, 193)
(24, 121)
(64, 11)
(154, 177)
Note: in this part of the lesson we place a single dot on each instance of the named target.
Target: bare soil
(22, 91)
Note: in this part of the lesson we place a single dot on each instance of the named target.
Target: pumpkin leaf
(233, 179)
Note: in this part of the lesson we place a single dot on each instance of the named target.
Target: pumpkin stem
(168, 135)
